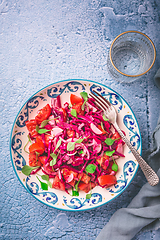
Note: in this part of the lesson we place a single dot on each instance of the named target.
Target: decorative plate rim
(61, 81)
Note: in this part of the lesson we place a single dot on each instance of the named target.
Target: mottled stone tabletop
(42, 42)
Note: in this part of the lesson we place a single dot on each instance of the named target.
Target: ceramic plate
(56, 198)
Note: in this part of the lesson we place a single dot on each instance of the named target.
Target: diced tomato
(39, 141)
(66, 173)
(34, 160)
(116, 136)
(75, 99)
(78, 108)
(103, 161)
(64, 114)
(70, 133)
(107, 180)
(31, 126)
(84, 177)
(58, 184)
(34, 147)
(47, 139)
(42, 159)
(43, 114)
(86, 187)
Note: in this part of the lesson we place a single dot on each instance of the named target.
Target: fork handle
(150, 175)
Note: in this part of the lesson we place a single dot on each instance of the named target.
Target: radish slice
(70, 178)
(56, 130)
(97, 146)
(95, 129)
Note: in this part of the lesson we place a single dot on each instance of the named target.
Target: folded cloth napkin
(143, 213)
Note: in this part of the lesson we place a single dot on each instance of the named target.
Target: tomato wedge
(75, 99)
(43, 114)
(78, 108)
(107, 180)
(35, 147)
(58, 184)
(116, 136)
(84, 177)
(33, 160)
(31, 126)
(64, 114)
(86, 187)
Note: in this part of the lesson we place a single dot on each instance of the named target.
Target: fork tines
(100, 101)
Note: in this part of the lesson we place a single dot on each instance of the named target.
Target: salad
(73, 145)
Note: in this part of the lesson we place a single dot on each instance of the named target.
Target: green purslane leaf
(54, 159)
(91, 168)
(115, 167)
(80, 140)
(26, 170)
(109, 153)
(88, 196)
(84, 95)
(44, 186)
(75, 193)
(43, 130)
(58, 144)
(45, 122)
(81, 152)
(45, 177)
(74, 112)
(71, 146)
(109, 141)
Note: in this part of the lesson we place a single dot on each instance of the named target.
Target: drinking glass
(132, 54)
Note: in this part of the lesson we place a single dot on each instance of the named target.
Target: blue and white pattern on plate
(56, 198)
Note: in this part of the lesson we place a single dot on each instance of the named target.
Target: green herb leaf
(109, 153)
(45, 177)
(104, 118)
(37, 128)
(84, 95)
(74, 112)
(49, 184)
(76, 186)
(45, 122)
(70, 146)
(26, 170)
(44, 186)
(75, 193)
(43, 130)
(81, 152)
(58, 144)
(109, 141)
(88, 196)
(80, 140)
(90, 168)
(29, 139)
(115, 167)
(54, 160)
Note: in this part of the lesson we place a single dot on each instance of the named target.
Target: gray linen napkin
(143, 213)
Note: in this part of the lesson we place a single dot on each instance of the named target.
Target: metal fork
(111, 114)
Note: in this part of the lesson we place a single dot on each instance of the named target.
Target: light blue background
(42, 42)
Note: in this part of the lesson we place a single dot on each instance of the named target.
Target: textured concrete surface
(45, 41)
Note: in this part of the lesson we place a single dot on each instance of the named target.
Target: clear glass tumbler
(131, 55)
